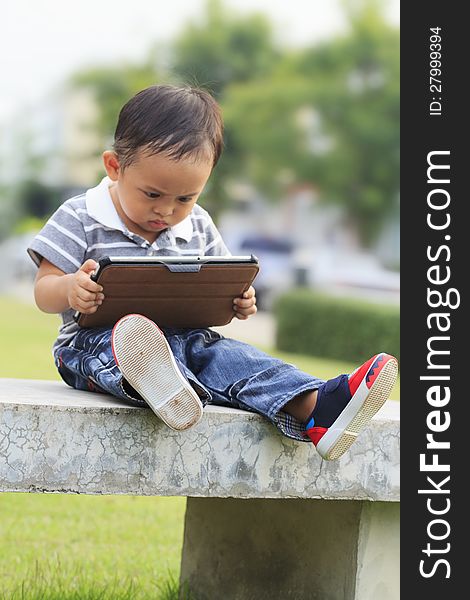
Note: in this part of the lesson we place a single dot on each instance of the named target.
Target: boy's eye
(152, 194)
(185, 199)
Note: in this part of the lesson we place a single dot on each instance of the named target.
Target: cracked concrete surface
(56, 439)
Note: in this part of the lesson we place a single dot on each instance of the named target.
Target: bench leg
(298, 549)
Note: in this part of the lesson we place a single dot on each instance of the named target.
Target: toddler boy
(167, 142)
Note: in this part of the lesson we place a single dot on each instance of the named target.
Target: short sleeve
(61, 241)
(215, 245)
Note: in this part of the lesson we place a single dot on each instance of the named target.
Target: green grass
(78, 547)
(27, 338)
(93, 546)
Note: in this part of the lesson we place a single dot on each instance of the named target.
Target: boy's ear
(111, 164)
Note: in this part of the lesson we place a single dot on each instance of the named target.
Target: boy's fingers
(87, 297)
(89, 266)
(245, 311)
(84, 276)
(239, 302)
(247, 299)
(86, 283)
(94, 288)
(88, 311)
(244, 314)
(87, 307)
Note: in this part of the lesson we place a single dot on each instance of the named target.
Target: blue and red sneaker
(347, 403)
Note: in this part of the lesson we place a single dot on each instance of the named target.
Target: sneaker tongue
(332, 384)
(332, 397)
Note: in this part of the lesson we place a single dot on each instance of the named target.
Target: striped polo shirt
(88, 226)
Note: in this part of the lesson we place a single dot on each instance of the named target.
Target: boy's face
(155, 192)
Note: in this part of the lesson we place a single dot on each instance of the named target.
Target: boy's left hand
(245, 306)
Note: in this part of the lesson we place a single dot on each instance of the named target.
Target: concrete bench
(266, 517)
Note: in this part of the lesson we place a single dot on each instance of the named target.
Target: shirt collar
(100, 207)
(183, 230)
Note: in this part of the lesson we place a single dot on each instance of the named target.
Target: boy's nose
(163, 211)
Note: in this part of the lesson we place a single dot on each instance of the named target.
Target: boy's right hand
(83, 294)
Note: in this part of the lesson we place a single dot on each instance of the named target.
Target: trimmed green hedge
(339, 328)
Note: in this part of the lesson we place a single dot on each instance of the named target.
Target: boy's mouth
(158, 224)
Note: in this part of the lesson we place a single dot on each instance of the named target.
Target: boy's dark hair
(175, 121)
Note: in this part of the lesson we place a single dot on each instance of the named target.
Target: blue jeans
(223, 371)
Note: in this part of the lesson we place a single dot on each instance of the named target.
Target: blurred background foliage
(309, 178)
(326, 114)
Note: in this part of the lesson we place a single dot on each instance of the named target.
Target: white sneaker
(147, 363)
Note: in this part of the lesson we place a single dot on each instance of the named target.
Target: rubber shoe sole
(363, 405)
(147, 363)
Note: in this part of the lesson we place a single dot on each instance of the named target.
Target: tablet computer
(173, 291)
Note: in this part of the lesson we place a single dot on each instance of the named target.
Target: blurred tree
(36, 199)
(221, 49)
(26, 201)
(112, 87)
(8, 212)
(224, 48)
(329, 115)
